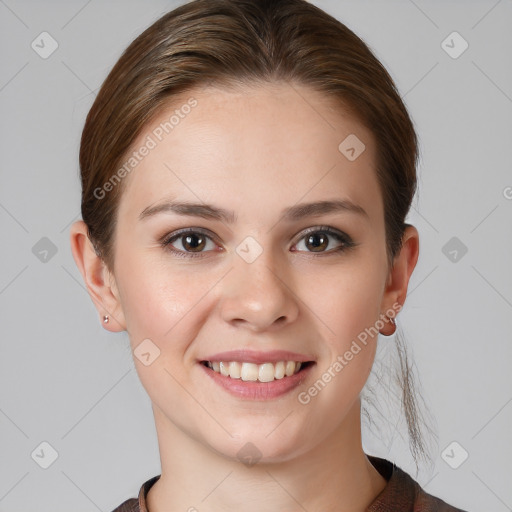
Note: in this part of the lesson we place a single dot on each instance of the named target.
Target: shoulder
(427, 503)
(424, 502)
(138, 504)
(403, 493)
(131, 505)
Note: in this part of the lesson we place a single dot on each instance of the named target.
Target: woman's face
(251, 269)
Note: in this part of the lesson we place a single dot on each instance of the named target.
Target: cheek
(349, 302)
(348, 310)
(161, 304)
(156, 298)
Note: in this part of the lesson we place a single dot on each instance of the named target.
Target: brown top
(401, 494)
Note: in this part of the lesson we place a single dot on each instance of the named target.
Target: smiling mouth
(266, 372)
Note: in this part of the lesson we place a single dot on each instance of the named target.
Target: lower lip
(254, 390)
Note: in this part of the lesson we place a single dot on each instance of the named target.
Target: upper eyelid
(176, 235)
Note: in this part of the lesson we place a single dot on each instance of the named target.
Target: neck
(335, 475)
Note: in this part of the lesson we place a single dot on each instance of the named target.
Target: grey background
(66, 381)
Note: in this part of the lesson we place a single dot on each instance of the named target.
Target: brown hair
(237, 42)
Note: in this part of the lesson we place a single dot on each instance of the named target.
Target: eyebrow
(293, 213)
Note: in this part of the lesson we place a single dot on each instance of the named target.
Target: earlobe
(98, 280)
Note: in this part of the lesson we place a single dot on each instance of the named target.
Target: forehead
(277, 142)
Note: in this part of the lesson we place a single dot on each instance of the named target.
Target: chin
(250, 446)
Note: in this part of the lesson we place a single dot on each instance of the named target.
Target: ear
(99, 281)
(396, 287)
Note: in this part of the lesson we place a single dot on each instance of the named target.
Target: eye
(319, 239)
(193, 243)
(189, 243)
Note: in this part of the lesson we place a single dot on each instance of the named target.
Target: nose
(258, 295)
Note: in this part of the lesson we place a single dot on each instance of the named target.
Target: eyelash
(345, 240)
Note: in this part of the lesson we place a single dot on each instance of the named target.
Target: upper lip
(257, 357)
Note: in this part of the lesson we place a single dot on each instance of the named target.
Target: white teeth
(290, 368)
(265, 372)
(279, 370)
(235, 370)
(224, 369)
(249, 371)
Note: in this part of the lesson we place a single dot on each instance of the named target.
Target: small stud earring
(106, 319)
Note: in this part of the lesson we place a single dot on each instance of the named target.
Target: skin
(254, 150)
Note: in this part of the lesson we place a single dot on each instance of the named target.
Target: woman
(247, 168)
